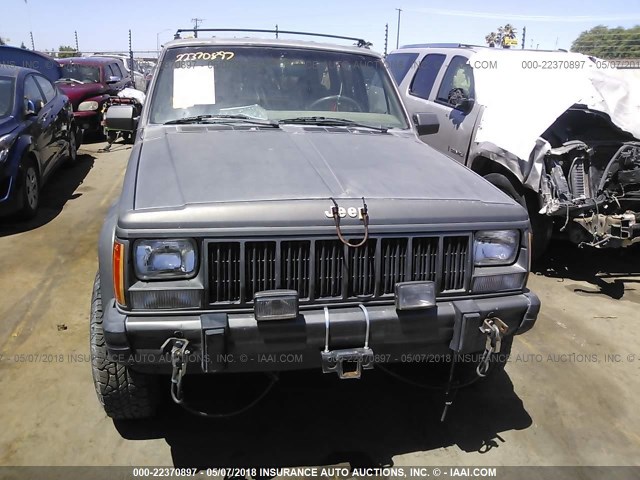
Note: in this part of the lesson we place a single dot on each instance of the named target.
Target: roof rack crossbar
(442, 45)
(361, 42)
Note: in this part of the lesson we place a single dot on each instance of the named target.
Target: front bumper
(89, 121)
(9, 195)
(236, 342)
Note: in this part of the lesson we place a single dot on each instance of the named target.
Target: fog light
(415, 295)
(165, 299)
(276, 305)
(499, 283)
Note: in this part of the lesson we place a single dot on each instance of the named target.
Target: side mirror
(426, 123)
(466, 105)
(113, 79)
(32, 108)
(121, 117)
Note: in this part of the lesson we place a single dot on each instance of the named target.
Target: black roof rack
(359, 41)
(466, 45)
(442, 45)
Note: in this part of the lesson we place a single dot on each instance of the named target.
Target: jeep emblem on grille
(343, 212)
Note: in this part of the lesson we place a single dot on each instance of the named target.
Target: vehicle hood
(253, 172)
(78, 93)
(7, 125)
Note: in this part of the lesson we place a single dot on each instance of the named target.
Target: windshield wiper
(69, 79)
(331, 122)
(223, 119)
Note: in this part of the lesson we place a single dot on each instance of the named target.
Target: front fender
(528, 172)
(23, 145)
(108, 232)
(105, 254)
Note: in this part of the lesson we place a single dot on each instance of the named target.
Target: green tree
(3, 41)
(507, 33)
(504, 37)
(491, 39)
(605, 42)
(66, 51)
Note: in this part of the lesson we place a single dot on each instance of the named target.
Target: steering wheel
(338, 99)
(456, 96)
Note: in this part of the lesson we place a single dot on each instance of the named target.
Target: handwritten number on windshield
(193, 56)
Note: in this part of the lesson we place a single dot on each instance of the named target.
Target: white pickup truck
(555, 130)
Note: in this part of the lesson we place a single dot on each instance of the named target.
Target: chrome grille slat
(260, 266)
(394, 259)
(455, 258)
(425, 259)
(360, 267)
(327, 270)
(225, 269)
(295, 259)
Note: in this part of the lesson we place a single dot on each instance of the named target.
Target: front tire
(124, 393)
(72, 147)
(30, 189)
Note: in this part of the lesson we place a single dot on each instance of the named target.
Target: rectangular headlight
(163, 259)
(415, 295)
(276, 305)
(496, 247)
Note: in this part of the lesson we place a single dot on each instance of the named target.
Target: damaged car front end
(591, 179)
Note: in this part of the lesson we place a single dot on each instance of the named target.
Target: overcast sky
(549, 23)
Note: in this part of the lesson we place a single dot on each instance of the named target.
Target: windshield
(275, 84)
(6, 96)
(81, 73)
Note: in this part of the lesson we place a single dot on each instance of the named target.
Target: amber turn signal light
(118, 272)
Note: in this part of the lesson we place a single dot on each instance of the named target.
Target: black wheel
(30, 189)
(79, 137)
(123, 392)
(72, 147)
(541, 226)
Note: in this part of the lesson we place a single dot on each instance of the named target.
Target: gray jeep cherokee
(279, 212)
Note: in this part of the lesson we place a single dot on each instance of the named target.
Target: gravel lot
(569, 395)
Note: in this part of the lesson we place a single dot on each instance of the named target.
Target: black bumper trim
(240, 336)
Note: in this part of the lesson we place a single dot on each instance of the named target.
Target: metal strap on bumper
(494, 329)
(179, 349)
(178, 365)
(347, 363)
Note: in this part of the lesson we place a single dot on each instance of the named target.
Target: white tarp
(133, 93)
(524, 92)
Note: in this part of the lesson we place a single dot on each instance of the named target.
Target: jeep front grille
(325, 270)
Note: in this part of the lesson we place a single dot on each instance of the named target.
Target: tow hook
(179, 350)
(347, 363)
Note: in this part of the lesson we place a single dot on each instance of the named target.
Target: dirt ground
(569, 395)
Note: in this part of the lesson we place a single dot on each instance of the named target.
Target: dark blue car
(36, 125)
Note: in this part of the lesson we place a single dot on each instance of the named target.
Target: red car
(88, 82)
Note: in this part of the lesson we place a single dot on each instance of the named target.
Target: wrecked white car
(557, 131)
